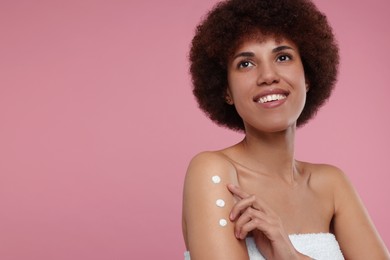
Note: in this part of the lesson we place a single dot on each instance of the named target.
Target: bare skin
(268, 193)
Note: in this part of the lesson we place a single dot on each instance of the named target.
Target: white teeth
(272, 97)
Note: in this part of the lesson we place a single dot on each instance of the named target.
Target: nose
(267, 75)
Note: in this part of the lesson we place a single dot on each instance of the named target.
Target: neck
(272, 152)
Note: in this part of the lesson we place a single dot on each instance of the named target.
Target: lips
(271, 95)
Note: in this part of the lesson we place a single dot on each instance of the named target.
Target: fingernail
(231, 216)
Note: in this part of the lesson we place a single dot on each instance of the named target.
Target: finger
(259, 204)
(247, 216)
(247, 200)
(240, 222)
(250, 202)
(237, 191)
(254, 224)
(241, 206)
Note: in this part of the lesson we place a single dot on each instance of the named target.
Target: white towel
(319, 246)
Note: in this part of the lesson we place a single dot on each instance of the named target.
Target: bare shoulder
(351, 220)
(329, 181)
(205, 165)
(320, 168)
(327, 175)
(206, 207)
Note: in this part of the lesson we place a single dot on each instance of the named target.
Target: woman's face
(267, 83)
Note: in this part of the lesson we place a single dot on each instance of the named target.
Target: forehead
(259, 38)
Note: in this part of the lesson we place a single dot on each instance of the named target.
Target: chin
(273, 126)
(277, 129)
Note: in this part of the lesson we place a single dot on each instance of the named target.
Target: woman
(265, 67)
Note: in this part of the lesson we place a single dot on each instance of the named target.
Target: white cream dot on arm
(222, 222)
(216, 179)
(220, 203)
(206, 207)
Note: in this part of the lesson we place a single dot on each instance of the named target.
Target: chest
(303, 207)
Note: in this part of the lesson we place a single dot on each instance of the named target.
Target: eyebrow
(282, 48)
(244, 54)
(251, 54)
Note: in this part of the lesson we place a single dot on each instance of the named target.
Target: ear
(228, 97)
(307, 84)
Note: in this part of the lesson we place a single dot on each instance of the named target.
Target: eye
(284, 57)
(245, 64)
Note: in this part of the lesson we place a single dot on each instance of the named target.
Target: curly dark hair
(225, 26)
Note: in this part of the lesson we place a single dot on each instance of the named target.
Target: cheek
(239, 85)
(234, 89)
(298, 81)
(301, 100)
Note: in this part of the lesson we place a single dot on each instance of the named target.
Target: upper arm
(205, 237)
(353, 228)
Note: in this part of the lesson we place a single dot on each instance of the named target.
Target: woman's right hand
(253, 215)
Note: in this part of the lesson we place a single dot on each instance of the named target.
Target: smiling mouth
(270, 98)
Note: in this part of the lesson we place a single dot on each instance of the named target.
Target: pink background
(98, 123)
